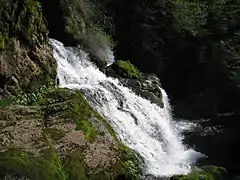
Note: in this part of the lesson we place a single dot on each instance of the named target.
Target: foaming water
(142, 126)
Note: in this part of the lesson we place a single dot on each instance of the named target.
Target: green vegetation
(54, 133)
(207, 173)
(3, 41)
(74, 166)
(189, 44)
(21, 164)
(52, 98)
(107, 126)
(49, 166)
(126, 69)
(82, 23)
(88, 129)
(132, 163)
(218, 173)
(72, 107)
(5, 102)
(22, 19)
(33, 97)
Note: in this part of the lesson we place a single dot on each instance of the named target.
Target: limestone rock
(63, 120)
(24, 68)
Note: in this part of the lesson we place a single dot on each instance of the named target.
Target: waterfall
(153, 136)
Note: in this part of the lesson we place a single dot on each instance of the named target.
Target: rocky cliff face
(79, 23)
(47, 132)
(26, 60)
(25, 68)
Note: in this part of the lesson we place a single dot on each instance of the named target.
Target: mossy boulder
(54, 133)
(124, 69)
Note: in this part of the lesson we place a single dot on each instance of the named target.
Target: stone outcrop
(148, 88)
(48, 132)
(145, 85)
(61, 120)
(26, 60)
(25, 68)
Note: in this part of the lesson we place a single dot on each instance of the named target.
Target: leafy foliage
(190, 16)
(34, 97)
(22, 19)
(189, 44)
(131, 162)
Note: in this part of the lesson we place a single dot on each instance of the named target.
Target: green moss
(22, 164)
(217, 172)
(126, 69)
(107, 126)
(72, 106)
(54, 95)
(49, 166)
(206, 173)
(88, 129)
(80, 111)
(74, 166)
(3, 41)
(131, 162)
(5, 102)
(77, 170)
(54, 133)
(23, 19)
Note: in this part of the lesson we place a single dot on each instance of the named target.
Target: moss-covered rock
(22, 19)
(124, 69)
(205, 173)
(83, 145)
(24, 68)
(145, 85)
(21, 164)
(26, 60)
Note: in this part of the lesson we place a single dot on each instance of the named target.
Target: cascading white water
(153, 136)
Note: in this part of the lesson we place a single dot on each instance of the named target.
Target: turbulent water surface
(153, 135)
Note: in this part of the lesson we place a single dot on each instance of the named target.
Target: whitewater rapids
(153, 137)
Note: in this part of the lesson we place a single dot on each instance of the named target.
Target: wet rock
(148, 88)
(145, 85)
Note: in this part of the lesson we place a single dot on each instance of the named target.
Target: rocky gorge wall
(52, 133)
(47, 132)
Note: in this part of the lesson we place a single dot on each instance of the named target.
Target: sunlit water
(153, 136)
